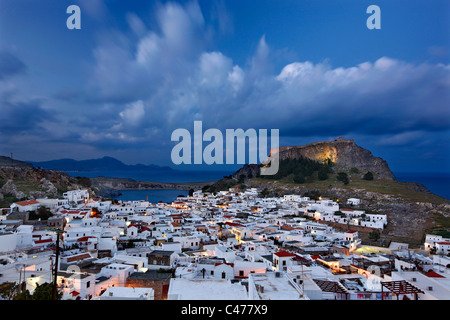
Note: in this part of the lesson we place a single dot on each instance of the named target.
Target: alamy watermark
(74, 20)
(213, 153)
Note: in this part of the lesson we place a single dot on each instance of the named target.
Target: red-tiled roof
(79, 257)
(284, 254)
(83, 239)
(433, 274)
(444, 243)
(302, 259)
(27, 203)
(233, 224)
(43, 241)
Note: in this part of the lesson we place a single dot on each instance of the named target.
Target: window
(241, 273)
(88, 284)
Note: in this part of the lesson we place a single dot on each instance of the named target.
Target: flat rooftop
(186, 289)
(275, 287)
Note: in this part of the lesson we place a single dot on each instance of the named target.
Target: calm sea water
(154, 196)
(438, 183)
(174, 176)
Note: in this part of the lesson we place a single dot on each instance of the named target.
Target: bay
(172, 176)
(437, 183)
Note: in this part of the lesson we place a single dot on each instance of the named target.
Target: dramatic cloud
(171, 70)
(10, 65)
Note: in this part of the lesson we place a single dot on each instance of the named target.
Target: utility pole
(55, 274)
(20, 280)
(303, 283)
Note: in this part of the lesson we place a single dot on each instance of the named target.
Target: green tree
(299, 178)
(354, 170)
(42, 292)
(312, 194)
(191, 192)
(368, 176)
(264, 193)
(342, 176)
(323, 173)
(374, 235)
(42, 212)
(8, 290)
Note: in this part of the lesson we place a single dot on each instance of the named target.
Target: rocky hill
(110, 187)
(9, 162)
(345, 155)
(18, 183)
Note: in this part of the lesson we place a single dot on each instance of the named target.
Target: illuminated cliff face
(315, 151)
(345, 154)
(322, 153)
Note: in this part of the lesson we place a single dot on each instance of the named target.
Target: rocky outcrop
(48, 186)
(345, 155)
(109, 187)
(10, 189)
(25, 182)
(248, 171)
(9, 162)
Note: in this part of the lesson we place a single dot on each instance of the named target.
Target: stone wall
(159, 282)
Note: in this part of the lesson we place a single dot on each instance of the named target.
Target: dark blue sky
(137, 70)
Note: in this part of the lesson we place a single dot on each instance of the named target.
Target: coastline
(106, 186)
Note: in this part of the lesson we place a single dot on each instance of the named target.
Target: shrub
(368, 176)
(342, 176)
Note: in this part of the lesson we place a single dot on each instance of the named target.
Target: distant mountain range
(101, 164)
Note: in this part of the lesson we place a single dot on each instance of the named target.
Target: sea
(154, 196)
(437, 183)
